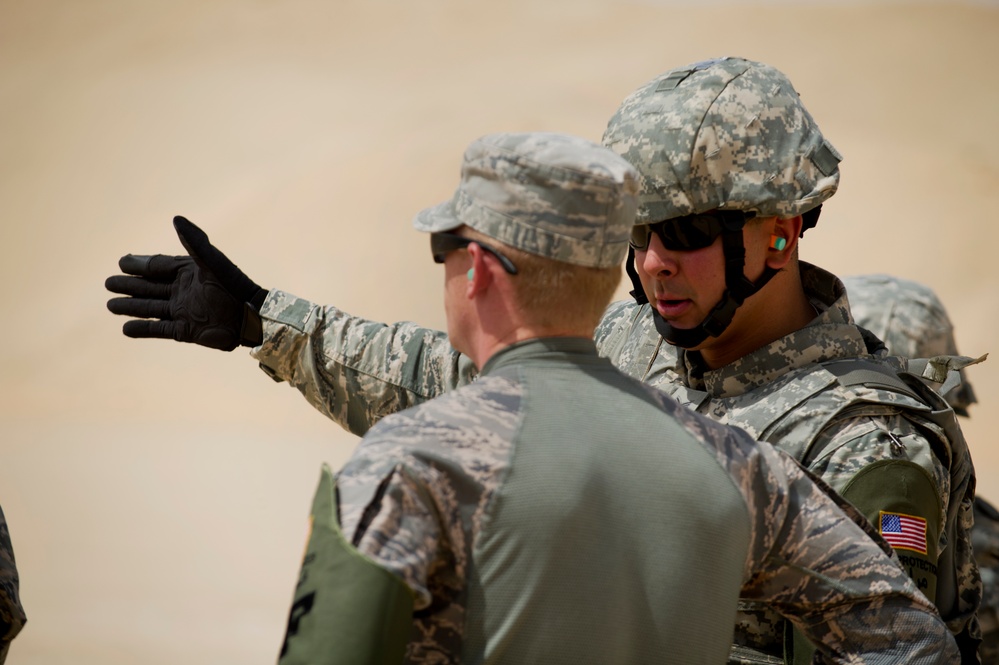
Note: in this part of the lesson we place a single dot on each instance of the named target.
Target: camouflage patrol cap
(910, 319)
(553, 195)
(726, 134)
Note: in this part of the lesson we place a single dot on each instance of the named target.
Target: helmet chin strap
(638, 293)
(738, 288)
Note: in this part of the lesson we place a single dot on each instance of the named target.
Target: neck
(485, 344)
(777, 310)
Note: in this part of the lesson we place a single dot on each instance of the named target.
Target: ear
(788, 229)
(482, 277)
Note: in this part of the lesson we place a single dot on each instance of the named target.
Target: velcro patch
(906, 532)
(826, 158)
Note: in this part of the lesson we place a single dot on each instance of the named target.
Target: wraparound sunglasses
(443, 243)
(685, 234)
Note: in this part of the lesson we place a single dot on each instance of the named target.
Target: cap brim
(437, 219)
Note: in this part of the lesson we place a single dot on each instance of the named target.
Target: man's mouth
(670, 308)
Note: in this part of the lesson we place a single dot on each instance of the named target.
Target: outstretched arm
(353, 370)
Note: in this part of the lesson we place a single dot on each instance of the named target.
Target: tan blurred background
(157, 493)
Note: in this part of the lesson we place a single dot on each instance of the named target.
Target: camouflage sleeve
(12, 617)
(886, 466)
(817, 567)
(405, 517)
(393, 520)
(353, 370)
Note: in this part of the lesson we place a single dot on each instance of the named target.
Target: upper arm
(886, 467)
(839, 588)
(394, 519)
(353, 370)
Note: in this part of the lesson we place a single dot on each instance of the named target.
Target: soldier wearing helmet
(725, 318)
(734, 170)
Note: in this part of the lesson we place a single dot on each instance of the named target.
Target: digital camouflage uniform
(12, 617)
(912, 321)
(554, 510)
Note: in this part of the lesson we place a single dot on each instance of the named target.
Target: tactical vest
(827, 393)
(823, 394)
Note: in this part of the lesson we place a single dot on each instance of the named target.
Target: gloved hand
(202, 298)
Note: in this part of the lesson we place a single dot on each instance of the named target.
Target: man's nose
(656, 260)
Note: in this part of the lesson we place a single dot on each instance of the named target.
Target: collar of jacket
(830, 335)
(544, 350)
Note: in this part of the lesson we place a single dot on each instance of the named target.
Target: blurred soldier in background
(912, 322)
(12, 617)
(724, 318)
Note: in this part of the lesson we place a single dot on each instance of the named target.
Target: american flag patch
(904, 532)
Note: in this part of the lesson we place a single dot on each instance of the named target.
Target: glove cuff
(251, 331)
(256, 301)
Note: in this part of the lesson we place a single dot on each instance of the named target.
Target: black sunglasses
(685, 234)
(443, 243)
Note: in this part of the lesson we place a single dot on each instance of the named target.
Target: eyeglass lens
(682, 234)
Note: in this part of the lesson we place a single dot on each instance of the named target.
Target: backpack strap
(857, 371)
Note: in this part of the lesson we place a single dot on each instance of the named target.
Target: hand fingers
(158, 329)
(194, 240)
(159, 266)
(137, 286)
(211, 259)
(140, 308)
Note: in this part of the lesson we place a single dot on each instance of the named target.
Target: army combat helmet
(729, 137)
(911, 320)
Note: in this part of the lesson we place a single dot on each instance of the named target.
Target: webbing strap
(825, 158)
(673, 80)
(854, 372)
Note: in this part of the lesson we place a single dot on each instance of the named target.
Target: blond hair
(553, 294)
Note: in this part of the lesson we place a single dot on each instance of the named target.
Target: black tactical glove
(202, 298)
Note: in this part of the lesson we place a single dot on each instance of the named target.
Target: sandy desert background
(157, 493)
